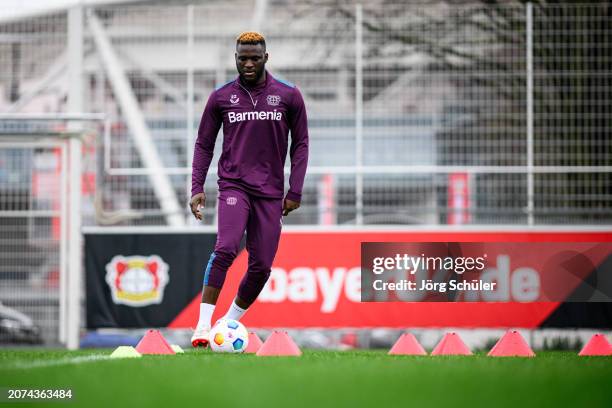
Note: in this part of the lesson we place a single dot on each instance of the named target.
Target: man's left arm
(298, 152)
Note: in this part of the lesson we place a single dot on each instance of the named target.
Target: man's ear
(266, 57)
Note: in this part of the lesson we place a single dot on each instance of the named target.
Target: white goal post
(40, 212)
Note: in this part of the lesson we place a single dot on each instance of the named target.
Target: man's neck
(260, 81)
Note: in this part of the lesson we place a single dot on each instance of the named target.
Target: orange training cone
(153, 342)
(451, 345)
(279, 344)
(407, 345)
(512, 344)
(254, 343)
(598, 345)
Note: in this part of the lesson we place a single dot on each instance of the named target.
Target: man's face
(250, 62)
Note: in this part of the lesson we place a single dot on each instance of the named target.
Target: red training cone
(254, 343)
(279, 344)
(407, 345)
(451, 345)
(598, 345)
(512, 344)
(153, 342)
(349, 340)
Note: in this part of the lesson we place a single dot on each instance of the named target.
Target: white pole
(70, 117)
(259, 14)
(63, 244)
(390, 169)
(160, 182)
(75, 104)
(359, 114)
(190, 137)
(530, 187)
(74, 246)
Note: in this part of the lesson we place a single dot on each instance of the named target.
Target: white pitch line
(61, 361)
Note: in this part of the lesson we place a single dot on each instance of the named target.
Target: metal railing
(419, 114)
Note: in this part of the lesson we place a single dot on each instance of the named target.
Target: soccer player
(257, 112)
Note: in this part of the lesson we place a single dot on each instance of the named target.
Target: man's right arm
(203, 153)
(205, 144)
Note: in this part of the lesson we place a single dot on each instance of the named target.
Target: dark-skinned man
(257, 112)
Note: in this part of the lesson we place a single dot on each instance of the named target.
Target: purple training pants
(262, 219)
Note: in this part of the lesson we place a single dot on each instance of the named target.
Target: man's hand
(289, 205)
(197, 201)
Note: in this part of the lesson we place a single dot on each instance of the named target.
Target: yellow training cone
(125, 352)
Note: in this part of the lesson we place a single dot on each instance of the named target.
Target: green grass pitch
(317, 379)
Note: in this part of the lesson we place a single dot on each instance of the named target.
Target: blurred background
(430, 116)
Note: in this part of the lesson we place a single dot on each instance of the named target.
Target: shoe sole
(199, 343)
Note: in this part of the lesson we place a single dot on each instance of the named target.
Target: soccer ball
(228, 336)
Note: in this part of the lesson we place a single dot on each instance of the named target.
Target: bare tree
(481, 46)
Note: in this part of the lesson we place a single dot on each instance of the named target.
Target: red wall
(316, 283)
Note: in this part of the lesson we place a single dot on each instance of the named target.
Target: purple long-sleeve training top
(256, 124)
